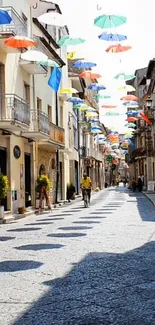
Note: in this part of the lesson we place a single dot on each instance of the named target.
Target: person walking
(140, 184)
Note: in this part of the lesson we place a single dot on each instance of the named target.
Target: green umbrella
(77, 106)
(98, 96)
(49, 63)
(67, 40)
(124, 76)
(131, 125)
(109, 21)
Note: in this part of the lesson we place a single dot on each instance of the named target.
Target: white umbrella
(34, 56)
(52, 18)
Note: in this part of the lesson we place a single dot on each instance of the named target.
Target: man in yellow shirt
(86, 183)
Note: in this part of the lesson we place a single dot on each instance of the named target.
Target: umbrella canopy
(52, 18)
(81, 105)
(125, 77)
(96, 87)
(49, 63)
(84, 64)
(130, 125)
(96, 131)
(75, 100)
(109, 106)
(132, 119)
(71, 55)
(131, 104)
(19, 42)
(91, 109)
(69, 91)
(117, 48)
(67, 40)
(98, 96)
(112, 37)
(33, 56)
(132, 114)
(109, 21)
(127, 88)
(91, 114)
(130, 97)
(89, 75)
(5, 18)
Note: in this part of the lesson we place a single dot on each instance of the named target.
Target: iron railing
(39, 122)
(14, 108)
(17, 25)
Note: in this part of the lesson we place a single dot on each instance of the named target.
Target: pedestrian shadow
(38, 247)
(16, 266)
(103, 289)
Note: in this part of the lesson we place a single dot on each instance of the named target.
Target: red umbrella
(130, 97)
(118, 48)
(90, 75)
(132, 119)
(19, 42)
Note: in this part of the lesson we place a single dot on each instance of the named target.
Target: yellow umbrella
(91, 114)
(83, 108)
(71, 55)
(69, 91)
(127, 88)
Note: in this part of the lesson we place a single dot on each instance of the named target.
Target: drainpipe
(57, 152)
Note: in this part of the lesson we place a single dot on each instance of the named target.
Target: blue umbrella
(4, 17)
(75, 100)
(112, 37)
(96, 87)
(131, 103)
(83, 64)
(132, 113)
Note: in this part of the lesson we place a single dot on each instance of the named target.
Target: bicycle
(86, 198)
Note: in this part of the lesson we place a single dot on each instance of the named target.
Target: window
(39, 104)
(49, 111)
(26, 96)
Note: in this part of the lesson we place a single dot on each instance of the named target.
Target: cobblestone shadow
(103, 289)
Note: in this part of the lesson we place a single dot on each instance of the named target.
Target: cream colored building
(32, 117)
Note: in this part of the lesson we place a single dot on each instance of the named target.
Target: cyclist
(86, 184)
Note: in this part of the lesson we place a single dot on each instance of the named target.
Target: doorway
(3, 170)
(27, 180)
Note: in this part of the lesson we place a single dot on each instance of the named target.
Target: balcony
(14, 113)
(94, 153)
(16, 27)
(57, 136)
(39, 126)
(138, 154)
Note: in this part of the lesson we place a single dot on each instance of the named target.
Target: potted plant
(21, 210)
(42, 181)
(70, 192)
(4, 187)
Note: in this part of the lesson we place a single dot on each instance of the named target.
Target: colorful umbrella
(109, 21)
(67, 40)
(112, 37)
(52, 18)
(75, 100)
(109, 106)
(131, 103)
(125, 77)
(71, 55)
(33, 56)
(82, 105)
(69, 91)
(48, 63)
(89, 75)
(130, 98)
(84, 64)
(132, 113)
(5, 18)
(19, 42)
(91, 114)
(117, 48)
(96, 87)
(130, 125)
(127, 88)
(132, 119)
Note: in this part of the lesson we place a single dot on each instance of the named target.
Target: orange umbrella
(90, 75)
(130, 97)
(19, 42)
(132, 119)
(145, 118)
(109, 106)
(118, 48)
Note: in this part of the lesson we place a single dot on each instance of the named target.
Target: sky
(139, 29)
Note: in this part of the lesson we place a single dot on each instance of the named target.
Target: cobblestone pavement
(81, 266)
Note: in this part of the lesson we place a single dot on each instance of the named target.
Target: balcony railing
(57, 134)
(139, 152)
(39, 122)
(14, 108)
(17, 25)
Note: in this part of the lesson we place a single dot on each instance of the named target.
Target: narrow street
(81, 266)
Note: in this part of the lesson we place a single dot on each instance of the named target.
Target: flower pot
(1, 212)
(21, 210)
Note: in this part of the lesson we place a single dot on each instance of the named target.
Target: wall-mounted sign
(16, 152)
